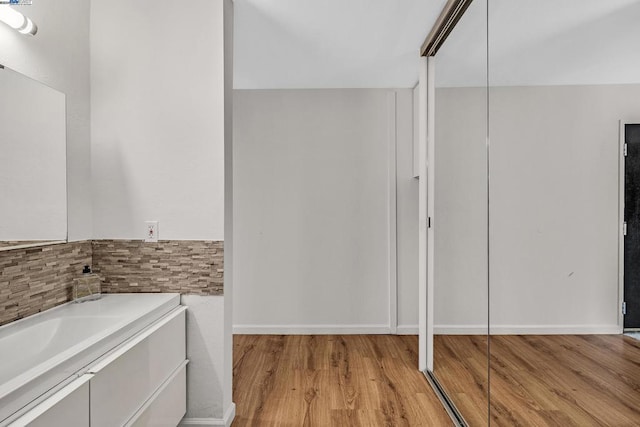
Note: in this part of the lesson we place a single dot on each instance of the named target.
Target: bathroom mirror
(460, 363)
(33, 202)
(564, 99)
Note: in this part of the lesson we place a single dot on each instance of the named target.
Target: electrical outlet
(151, 231)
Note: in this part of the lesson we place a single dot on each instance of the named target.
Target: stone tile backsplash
(185, 266)
(9, 243)
(36, 279)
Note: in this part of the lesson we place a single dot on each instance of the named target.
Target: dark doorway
(632, 227)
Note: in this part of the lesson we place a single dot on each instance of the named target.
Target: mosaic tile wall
(184, 266)
(9, 243)
(36, 279)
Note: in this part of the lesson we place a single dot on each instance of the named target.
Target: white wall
(554, 208)
(311, 201)
(407, 212)
(416, 131)
(160, 76)
(554, 204)
(58, 56)
(227, 383)
(460, 230)
(157, 82)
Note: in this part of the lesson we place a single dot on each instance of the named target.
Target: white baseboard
(555, 330)
(438, 329)
(407, 330)
(210, 422)
(459, 330)
(528, 330)
(311, 329)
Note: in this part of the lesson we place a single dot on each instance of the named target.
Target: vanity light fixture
(17, 20)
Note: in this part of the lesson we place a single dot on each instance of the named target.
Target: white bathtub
(47, 350)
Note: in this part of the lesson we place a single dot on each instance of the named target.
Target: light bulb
(29, 27)
(12, 17)
(17, 20)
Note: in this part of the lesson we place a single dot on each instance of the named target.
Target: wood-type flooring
(324, 380)
(543, 380)
(372, 380)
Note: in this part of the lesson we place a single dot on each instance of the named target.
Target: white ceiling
(375, 43)
(330, 43)
(543, 42)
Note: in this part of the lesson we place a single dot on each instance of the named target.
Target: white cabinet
(140, 383)
(69, 407)
(126, 379)
(167, 406)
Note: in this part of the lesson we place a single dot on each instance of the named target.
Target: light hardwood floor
(351, 380)
(543, 380)
(555, 380)
(460, 365)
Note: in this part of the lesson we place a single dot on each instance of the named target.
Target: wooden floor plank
(351, 380)
(543, 380)
(586, 380)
